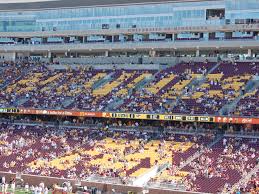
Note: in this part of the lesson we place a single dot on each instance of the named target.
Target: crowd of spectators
(38, 85)
(84, 153)
(221, 87)
(12, 70)
(224, 163)
(248, 105)
(253, 186)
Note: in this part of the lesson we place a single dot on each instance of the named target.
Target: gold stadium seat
(107, 88)
(160, 84)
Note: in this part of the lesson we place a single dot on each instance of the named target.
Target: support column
(106, 53)
(112, 38)
(249, 53)
(152, 53)
(197, 52)
(49, 54)
(174, 53)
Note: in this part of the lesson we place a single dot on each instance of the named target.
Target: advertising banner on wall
(237, 120)
(140, 116)
(60, 112)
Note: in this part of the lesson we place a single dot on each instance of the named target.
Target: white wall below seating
(143, 179)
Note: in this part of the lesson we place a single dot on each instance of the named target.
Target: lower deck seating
(72, 153)
(83, 153)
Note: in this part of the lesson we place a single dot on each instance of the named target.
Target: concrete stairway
(244, 180)
(119, 101)
(193, 85)
(252, 85)
(102, 81)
